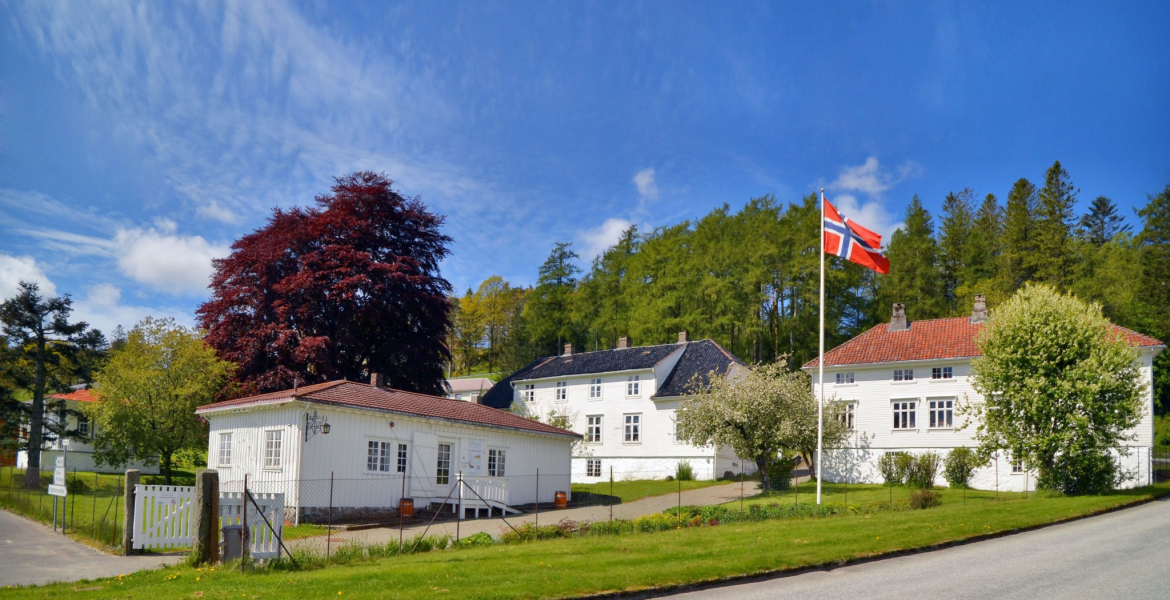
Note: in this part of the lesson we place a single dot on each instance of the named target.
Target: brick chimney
(682, 337)
(377, 380)
(898, 318)
(623, 343)
(979, 311)
(568, 350)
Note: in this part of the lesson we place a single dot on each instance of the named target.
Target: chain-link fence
(92, 508)
(1160, 463)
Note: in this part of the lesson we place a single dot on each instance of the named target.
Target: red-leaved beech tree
(346, 288)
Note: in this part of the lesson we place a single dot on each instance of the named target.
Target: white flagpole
(821, 361)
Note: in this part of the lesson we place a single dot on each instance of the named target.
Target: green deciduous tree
(148, 393)
(1061, 387)
(756, 412)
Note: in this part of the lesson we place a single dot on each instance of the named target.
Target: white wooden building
(79, 453)
(901, 385)
(378, 445)
(623, 401)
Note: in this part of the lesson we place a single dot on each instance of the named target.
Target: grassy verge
(872, 495)
(92, 511)
(304, 530)
(628, 491)
(592, 565)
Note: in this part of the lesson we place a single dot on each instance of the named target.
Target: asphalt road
(1118, 555)
(31, 553)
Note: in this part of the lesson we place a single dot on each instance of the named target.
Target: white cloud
(102, 307)
(644, 180)
(14, 269)
(872, 180)
(597, 240)
(165, 260)
(212, 210)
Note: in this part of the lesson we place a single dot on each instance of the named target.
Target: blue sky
(137, 140)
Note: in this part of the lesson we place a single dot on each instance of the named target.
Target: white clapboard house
(901, 385)
(79, 451)
(366, 438)
(623, 401)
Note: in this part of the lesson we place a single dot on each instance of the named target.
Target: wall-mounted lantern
(315, 423)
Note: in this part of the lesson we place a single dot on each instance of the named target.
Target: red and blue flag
(853, 242)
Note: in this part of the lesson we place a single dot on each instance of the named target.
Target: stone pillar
(205, 517)
(128, 512)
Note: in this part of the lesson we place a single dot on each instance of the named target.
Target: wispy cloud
(645, 181)
(872, 180)
(597, 240)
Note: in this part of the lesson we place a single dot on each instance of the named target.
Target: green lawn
(628, 491)
(875, 495)
(592, 565)
(92, 511)
(304, 530)
(1162, 433)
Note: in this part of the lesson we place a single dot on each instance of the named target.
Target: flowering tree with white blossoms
(1061, 388)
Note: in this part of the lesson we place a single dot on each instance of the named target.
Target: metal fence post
(93, 517)
(329, 535)
(244, 521)
(741, 468)
(400, 523)
(73, 504)
(538, 500)
(680, 503)
(611, 493)
(459, 517)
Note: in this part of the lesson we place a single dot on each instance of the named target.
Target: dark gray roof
(699, 358)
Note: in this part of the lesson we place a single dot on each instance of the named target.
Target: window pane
(372, 456)
(401, 458)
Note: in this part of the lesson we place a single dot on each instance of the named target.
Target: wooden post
(128, 512)
(205, 519)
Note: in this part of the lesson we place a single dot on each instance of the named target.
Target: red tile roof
(85, 395)
(933, 339)
(361, 395)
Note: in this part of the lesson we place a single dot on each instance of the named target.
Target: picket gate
(163, 516)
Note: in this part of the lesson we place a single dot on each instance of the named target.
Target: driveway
(716, 494)
(1117, 555)
(31, 553)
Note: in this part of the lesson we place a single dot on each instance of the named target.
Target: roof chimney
(682, 337)
(623, 343)
(898, 319)
(568, 350)
(377, 380)
(979, 312)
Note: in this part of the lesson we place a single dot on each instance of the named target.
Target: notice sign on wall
(475, 457)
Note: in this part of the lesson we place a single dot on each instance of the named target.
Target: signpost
(57, 489)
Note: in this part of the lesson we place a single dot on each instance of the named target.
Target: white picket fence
(163, 515)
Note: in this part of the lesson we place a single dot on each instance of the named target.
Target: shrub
(477, 539)
(922, 469)
(780, 474)
(960, 465)
(684, 471)
(893, 467)
(925, 499)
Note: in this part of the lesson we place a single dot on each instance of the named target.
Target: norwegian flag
(853, 242)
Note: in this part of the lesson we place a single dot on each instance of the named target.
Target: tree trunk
(762, 468)
(167, 466)
(32, 476)
(812, 469)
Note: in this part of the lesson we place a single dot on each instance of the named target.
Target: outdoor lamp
(325, 428)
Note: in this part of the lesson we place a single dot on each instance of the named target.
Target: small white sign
(60, 462)
(167, 499)
(59, 476)
(58, 490)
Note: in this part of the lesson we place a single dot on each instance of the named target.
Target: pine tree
(549, 310)
(983, 249)
(914, 278)
(1154, 245)
(1016, 264)
(1053, 256)
(954, 238)
(1102, 222)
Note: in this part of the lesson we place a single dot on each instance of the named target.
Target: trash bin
(233, 542)
(406, 507)
(561, 500)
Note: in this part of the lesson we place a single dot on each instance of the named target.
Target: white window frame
(225, 458)
(908, 409)
(938, 408)
(403, 458)
(903, 374)
(562, 391)
(847, 412)
(381, 456)
(595, 388)
(528, 394)
(497, 462)
(593, 429)
(942, 373)
(273, 459)
(593, 467)
(1017, 467)
(443, 466)
(633, 386)
(632, 432)
(83, 425)
(849, 378)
